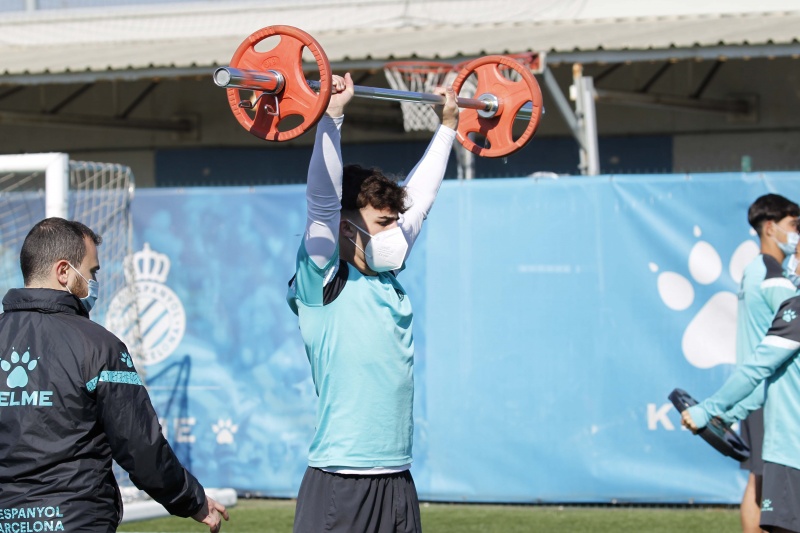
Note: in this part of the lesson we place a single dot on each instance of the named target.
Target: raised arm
(423, 182)
(324, 189)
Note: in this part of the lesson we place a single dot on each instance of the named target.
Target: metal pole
(563, 106)
(258, 81)
(667, 102)
(185, 125)
(393, 95)
(590, 126)
(583, 93)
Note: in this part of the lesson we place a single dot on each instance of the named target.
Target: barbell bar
(271, 82)
(279, 77)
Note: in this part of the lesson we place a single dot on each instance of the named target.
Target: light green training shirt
(361, 351)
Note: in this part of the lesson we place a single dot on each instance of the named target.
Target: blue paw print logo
(789, 315)
(766, 505)
(125, 358)
(17, 368)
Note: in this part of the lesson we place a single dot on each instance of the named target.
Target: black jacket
(70, 400)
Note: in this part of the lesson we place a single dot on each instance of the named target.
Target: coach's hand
(210, 515)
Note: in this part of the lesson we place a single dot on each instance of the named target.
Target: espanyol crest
(162, 320)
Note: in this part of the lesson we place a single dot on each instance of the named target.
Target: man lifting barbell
(355, 320)
(277, 78)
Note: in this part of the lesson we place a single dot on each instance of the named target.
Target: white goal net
(421, 77)
(100, 196)
(22, 204)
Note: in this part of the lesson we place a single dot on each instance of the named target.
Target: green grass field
(275, 516)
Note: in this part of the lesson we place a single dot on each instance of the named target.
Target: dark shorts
(780, 498)
(753, 435)
(339, 503)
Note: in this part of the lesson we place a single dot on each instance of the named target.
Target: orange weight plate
(296, 98)
(511, 96)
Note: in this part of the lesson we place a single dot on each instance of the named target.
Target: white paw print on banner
(710, 337)
(225, 430)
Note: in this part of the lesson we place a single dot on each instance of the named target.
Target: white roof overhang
(176, 42)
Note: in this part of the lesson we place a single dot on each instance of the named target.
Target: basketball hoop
(417, 76)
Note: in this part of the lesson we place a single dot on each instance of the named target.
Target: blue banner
(552, 318)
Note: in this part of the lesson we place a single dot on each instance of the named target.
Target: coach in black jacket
(71, 400)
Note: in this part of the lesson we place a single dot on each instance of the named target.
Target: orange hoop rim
(418, 67)
(525, 58)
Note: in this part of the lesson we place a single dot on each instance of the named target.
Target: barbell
(280, 89)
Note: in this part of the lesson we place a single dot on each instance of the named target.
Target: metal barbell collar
(270, 81)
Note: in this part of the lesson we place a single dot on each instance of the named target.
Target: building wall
(777, 150)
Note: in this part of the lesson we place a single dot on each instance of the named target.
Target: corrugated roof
(175, 37)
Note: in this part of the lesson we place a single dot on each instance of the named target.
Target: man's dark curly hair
(369, 186)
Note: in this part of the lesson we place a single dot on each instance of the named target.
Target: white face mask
(792, 239)
(385, 251)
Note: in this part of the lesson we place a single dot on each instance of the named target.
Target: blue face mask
(790, 269)
(94, 291)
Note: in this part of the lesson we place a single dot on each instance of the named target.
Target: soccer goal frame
(55, 166)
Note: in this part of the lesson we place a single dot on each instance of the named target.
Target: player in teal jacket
(763, 288)
(775, 363)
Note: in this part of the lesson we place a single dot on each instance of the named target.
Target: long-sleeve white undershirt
(324, 190)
